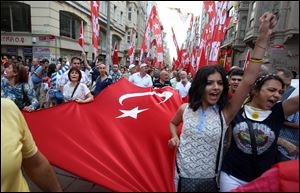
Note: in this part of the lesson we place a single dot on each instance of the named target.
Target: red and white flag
(202, 59)
(81, 38)
(159, 40)
(219, 26)
(131, 48)
(147, 33)
(95, 25)
(121, 144)
(210, 8)
(175, 41)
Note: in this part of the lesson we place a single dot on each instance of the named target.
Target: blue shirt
(238, 161)
(35, 79)
(115, 77)
(101, 84)
(16, 93)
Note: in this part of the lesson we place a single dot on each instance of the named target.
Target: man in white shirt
(141, 79)
(64, 79)
(184, 85)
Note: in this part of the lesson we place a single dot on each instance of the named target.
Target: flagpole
(108, 52)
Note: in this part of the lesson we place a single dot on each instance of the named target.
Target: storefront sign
(15, 40)
(47, 38)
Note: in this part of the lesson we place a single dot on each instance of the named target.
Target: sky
(170, 18)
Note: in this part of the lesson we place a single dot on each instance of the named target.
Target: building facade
(50, 29)
(242, 34)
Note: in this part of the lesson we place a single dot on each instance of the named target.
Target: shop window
(15, 17)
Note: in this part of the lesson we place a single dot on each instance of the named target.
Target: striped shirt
(56, 75)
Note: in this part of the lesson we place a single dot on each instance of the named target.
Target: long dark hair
(22, 74)
(199, 83)
(260, 81)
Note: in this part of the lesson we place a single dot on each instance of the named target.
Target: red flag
(202, 58)
(226, 64)
(81, 38)
(210, 8)
(153, 43)
(247, 60)
(190, 69)
(147, 32)
(118, 141)
(95, 24)
(147, 58)
(159, 40)
(131, 48)
(115, 55)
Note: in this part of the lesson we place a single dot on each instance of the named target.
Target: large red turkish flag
(119, 141)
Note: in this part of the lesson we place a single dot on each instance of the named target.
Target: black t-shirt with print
(238, 161)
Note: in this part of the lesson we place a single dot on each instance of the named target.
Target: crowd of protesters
(220, 105)
(39, 84)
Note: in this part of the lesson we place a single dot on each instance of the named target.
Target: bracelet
(260, 46)
(256, 58)
(256, 61)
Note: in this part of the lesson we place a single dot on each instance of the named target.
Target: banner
(95, 24)
(147, 33)
(119, 141)
(81, 38)
(159, 40)
(131, 48)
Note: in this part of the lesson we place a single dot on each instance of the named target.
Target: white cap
(143, 65)
(131, 66)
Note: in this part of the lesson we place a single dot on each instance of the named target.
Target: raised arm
(86, 64)
(267, 23)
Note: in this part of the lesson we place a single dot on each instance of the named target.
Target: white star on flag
(131, 113)
(210, 8)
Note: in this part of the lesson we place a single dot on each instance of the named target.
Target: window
(15, 17)
(128, 37)
(103, 7)
(115, 40)
(129, 13)
(102, 39)
(69, 25)
(115, 12)
(121, 17)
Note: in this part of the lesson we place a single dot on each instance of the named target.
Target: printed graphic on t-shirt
(264, 137)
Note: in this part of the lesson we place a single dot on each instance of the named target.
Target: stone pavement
(70, 183)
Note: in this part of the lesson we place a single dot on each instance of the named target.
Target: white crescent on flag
(167, 95)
